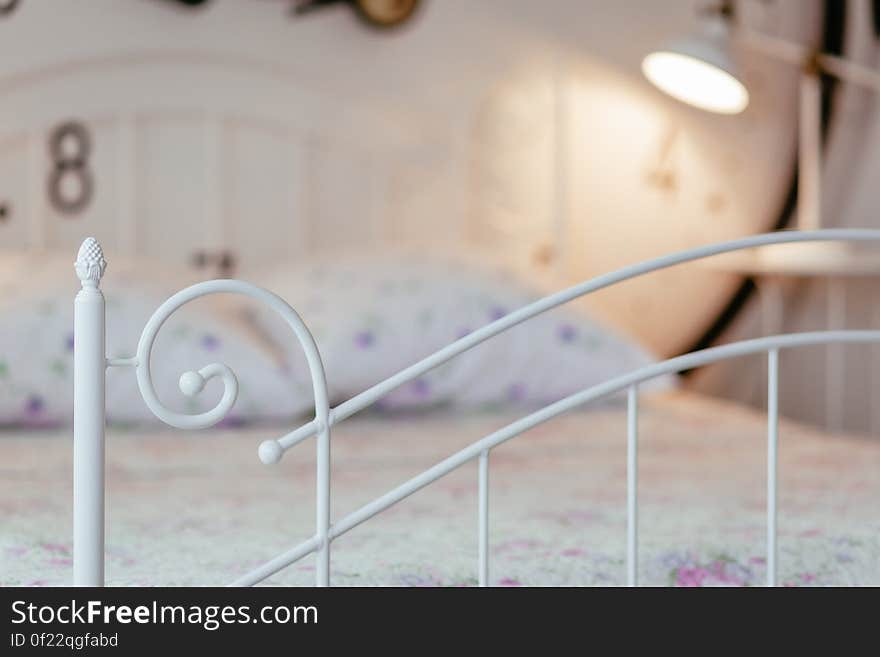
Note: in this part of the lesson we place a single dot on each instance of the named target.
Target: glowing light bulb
(695, 81)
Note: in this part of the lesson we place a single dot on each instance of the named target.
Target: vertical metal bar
(874, 371)
(772, 454)
(89, 363)
(632, 486)
(835, 318)
(809, 204)
(322, 508)
(772, 300)
(484, 518)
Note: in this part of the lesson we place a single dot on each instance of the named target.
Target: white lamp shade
(700, 71)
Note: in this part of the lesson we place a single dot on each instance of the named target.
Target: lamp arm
(772, 46)
(805, 57)
(848, 70)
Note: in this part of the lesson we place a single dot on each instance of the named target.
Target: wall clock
(376, 13)
(7, 6)
(385, 13)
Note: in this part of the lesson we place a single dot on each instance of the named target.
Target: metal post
(835, 382)
(484, 518)
(322, 508)
(772, 454)
(632, 487)
(89, 362)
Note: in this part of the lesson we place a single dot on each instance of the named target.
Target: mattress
(197, 508)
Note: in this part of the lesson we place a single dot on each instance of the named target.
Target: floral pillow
(374, 314)
(36, 348)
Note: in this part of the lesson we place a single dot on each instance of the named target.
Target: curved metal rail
(90, 267)
(480, 449)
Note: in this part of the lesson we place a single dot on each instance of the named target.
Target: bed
(187, 509)
(197, 508)
(229, 160)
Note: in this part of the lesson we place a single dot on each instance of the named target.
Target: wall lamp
(700, 70)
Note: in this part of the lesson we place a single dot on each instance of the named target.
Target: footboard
(90, 363)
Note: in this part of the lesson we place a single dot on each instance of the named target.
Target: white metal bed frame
(90, 363)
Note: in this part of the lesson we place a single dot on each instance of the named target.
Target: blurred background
(404, 172)
(222, 135)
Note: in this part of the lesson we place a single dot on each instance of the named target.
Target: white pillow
(374, 314)
(36, 346)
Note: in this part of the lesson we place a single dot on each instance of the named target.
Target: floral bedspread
(198, 508)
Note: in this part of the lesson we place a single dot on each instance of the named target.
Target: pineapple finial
(90, 263)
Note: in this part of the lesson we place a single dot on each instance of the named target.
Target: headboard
(233, 156)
